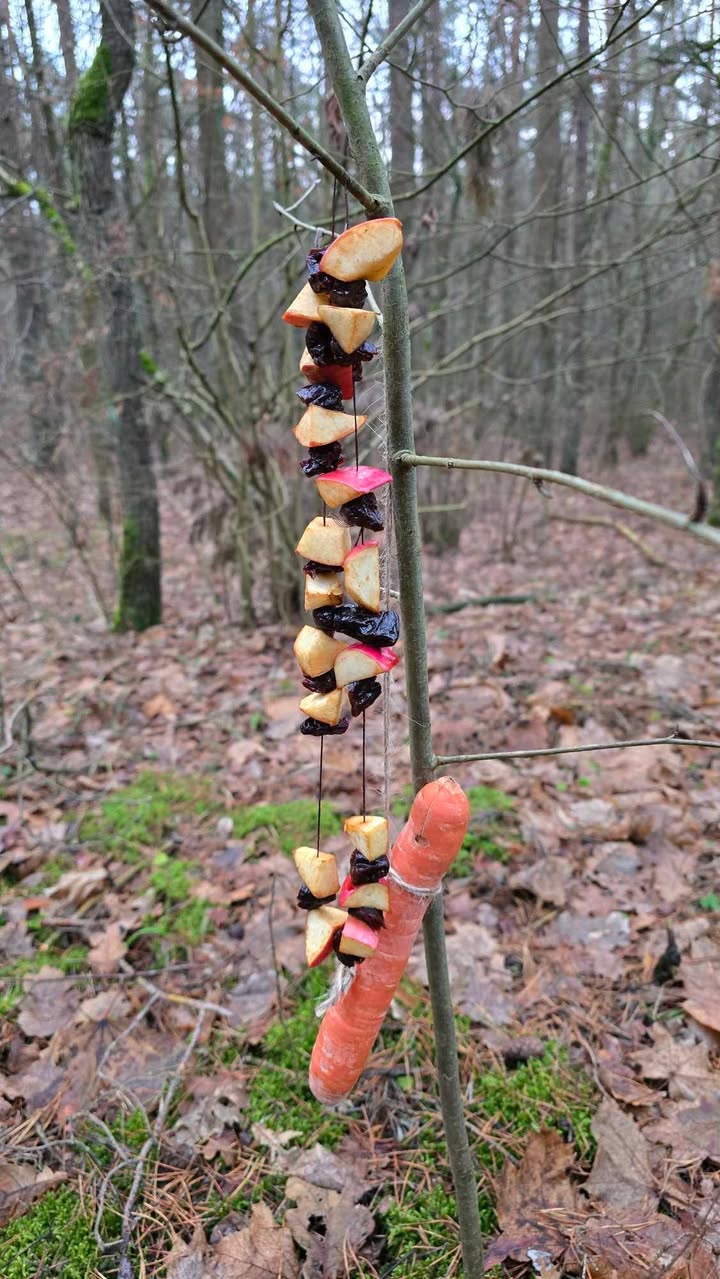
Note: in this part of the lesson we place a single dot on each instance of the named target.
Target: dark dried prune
(324, 349)
(362, 512)
(307, 901)
(322, 458)
(379, 630)
(363, 871)
(314, 568)
(325, 683)
(315, 728)
(342, 292)
(369, 915)
(362, 693)
(325, 394)
(348, 960)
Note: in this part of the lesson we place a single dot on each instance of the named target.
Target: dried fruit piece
(365, 251)
(307, 901)
(313, 728)
(320, 683)
(369, 835)
(320, 930)
(326, 707)
(349, 961)
(362, 512)
(315, 651)
(318, 427)
(373, 894)
(319, 460)
(324, 541)
(339, 375)
(304, 309)
(322, 589)
(340, 292)
(373, 918)
(317, 870)
(324, 394)
(326, 351)
(339, 487)
(379, 630)
(362, 694)
(362, 574)
(364, 871)
(348, 325)
(357, 939)
(361, 661)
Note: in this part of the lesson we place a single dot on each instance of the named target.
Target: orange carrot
(423, 851)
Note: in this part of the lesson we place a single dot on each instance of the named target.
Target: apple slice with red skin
(316, 652)
(320, 928)
(318, 427)
(329, 708)
(362, 575)
(357, 939)
(317, 870)
(325, 542)
(360, 661)
(365, 251)
(349, 325)
(305, 308)
(349, 482)
(373, 895)
(339, 374)
(325, 589)
(370, 835)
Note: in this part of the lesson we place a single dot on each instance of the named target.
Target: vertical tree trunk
(67, 41)
(580, 240)
(547, 182)
(402, 131)
(213, 163)
(94, 114)
(711, 393)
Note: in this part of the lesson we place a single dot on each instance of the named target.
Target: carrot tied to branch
(424, 850)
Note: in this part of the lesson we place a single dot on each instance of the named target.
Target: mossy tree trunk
(94, 112)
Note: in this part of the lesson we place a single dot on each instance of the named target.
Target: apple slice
(305, 308)
(374, 895)
(348, 325)
(339, 374)
(329, 708)
(362, 575)
(316, 652)
(321, 926)
(325, 426)
(357, 939)
(325, 542)
(360, 661)
(318, 870)
(344, 485)
(370, 835)
(364, 252)
(324, 589)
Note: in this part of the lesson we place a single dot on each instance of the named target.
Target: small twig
(306, 226)
(372, 63)
(600, 521)
(701, 501)
(479, 601)
(662, 514)
(673, 739)
(276, 967)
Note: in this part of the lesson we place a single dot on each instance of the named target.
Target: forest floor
(156, 1029)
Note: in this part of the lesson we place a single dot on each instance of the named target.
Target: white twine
(342, 981)
(412, 888)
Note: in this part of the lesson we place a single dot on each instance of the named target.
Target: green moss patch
(145, 814)
(54, 1237)
(287, 825)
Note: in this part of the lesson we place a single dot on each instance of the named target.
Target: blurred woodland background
(556, 169)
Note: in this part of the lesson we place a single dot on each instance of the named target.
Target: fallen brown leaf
(326, 1223)
(49, 1003)
(21, 1184)
(621, 1176)
(107, 949)
(262, 1250)
(619, 1079)
(531, 1198)
(692, 1131)
(702, 989)
(685, 1067)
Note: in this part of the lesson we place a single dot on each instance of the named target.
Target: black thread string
(364, 805)
(357, 447)
(319, 808)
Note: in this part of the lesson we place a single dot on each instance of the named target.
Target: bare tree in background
(94, 115)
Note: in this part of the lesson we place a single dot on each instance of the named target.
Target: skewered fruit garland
(341, 675)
